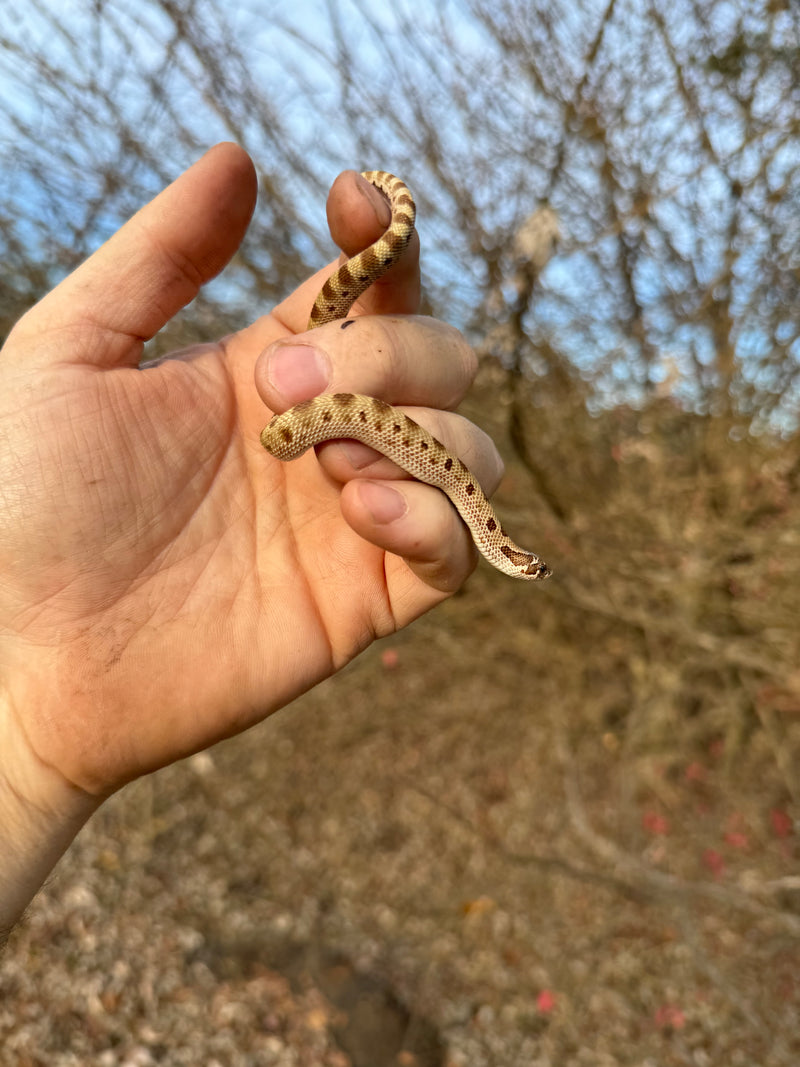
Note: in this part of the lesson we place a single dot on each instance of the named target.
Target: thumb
(151, 268)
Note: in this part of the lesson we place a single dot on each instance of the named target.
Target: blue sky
(294, 128)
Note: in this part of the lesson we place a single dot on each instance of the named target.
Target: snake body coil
(384, 428)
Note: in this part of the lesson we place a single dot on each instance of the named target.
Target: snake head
(537, 570)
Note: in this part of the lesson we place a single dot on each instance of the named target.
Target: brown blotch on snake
(330, 416)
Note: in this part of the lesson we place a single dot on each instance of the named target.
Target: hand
(165, 582)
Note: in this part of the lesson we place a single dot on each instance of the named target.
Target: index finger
(358, 214)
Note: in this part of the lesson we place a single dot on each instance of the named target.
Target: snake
(388, 430)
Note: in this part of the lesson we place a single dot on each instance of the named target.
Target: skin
(165, 582)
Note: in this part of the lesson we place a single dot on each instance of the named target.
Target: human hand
(165, 582)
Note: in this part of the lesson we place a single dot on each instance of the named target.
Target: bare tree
(107, 102)
(608, 199)
(668, 149)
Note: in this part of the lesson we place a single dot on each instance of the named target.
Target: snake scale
(386, 429)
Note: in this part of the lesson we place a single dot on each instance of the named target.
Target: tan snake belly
(384, 428)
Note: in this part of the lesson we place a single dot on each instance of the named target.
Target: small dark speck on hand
(348, 322)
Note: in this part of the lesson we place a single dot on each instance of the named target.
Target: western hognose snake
(384, 428)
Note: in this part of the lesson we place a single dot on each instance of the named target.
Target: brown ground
(545, 826)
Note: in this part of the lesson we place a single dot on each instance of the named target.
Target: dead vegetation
(555, 825)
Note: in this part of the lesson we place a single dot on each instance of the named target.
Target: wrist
(40, 814)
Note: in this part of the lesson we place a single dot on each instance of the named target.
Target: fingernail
(383, 504)
(378, 202)
(298, 372)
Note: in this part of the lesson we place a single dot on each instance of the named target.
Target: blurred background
(548, 825)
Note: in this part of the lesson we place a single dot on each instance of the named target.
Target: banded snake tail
(384, 428)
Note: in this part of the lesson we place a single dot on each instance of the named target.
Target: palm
(164, 582)
(167, 563)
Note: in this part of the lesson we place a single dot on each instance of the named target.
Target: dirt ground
(436, 858)
(548, 825)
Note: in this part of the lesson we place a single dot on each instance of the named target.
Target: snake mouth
(538, 571)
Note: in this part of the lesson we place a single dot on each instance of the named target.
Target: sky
(286, 93)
